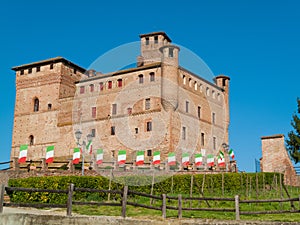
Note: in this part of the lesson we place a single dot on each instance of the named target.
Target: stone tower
(40, 88)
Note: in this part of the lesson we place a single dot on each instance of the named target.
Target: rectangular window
(29, 70)
(136, 130)
(214, 143)
(147, 103)
(22, 72)
(147, 41)
(51, 66)
(202, 139)
(186, 106)
(74, 71)
(152, 77)
(38, 69)
(101, 86)
(112, 130)
(109, 84)
(114, 109)
(82, 90)
(183, 133)
(214, 118)
(120, 83)
(91, 88)
(199, 112)
(155, 39)
(94, 112)
(149, 152)
(141, 78)
(149, 126)
(171, 52)
(93, 132)
(49, 106)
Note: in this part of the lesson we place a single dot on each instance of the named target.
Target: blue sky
(256, 43)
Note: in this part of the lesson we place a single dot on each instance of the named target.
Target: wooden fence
(163, 207)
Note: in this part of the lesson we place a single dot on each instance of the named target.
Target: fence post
(179, 206)
(124, 201)
(2, 197)
(237, 207)
(69, 203)
(71, 166)
(44, 165)
(16, 164)
(164, 206)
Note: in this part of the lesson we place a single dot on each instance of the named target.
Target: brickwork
(275, 159)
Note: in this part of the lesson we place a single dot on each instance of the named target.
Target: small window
(195, 86)
(187, 106)
(22, 72)
(147, 40)
(213, 94)
(201, 87)
(74, 71)
(213, 118)
(114, 109)
(147, 103)
(190, 82)
(31, 140)
(109, 84)
(184, 79)
(101, 86)
(219, 97)
(155, 39)
(214, 143)
(149, 126)
(81, 90)
(38, 69)
(171, 52)
(149, 152)
(49, 106)
(199, 112)
(129, 111)
(94, 112)
(92, 88)
(183, 133)
(29, 70)
(202, 139)
(93, 132)
(224, 82)
(51, 66)
(141, 78)
(136, 130)
(112, 130)
(36, 105)
(120, 82)
(207, 91)
(152, 76)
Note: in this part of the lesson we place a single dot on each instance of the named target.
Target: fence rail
(124, 202)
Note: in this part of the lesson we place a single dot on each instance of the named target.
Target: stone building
(158, 105)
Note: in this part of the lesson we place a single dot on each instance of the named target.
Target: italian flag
(76, 155)
(121, 157)
(156, 158)
(89, 147)
(210, 160)
(185, 159)
(140, 158)
(99, 156)
(49, 154)
(198, 159)
(171, 159)
(231, 153)
(221, 159)
(23, 153)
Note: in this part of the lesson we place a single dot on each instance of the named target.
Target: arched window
(31, 140)
(36, 105)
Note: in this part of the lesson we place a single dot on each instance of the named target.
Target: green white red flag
(76, 155)
(121, 157)
(231, 153)
(185, 159)
(210, 160)
(99, 157)
(221, 159)
(156, 158)
(171, 159)
(89, 147)
(198, 159)
(140, 155)
(23, 153)
(50, 154)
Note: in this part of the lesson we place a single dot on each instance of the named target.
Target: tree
(293, 141)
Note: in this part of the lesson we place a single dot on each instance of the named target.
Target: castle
(158, 105)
